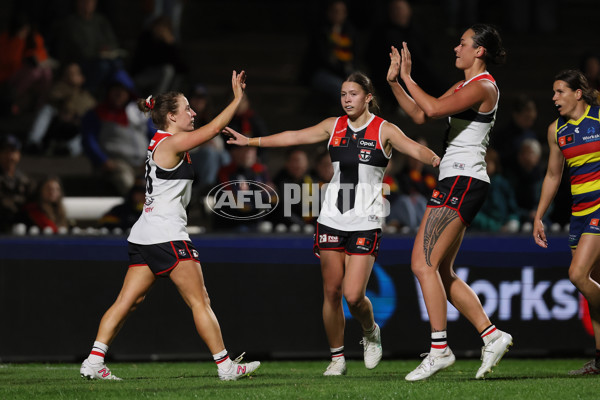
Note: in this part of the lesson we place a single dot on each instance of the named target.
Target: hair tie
(150, 102)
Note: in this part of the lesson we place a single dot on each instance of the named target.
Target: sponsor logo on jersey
(565, 140)
(458, 165)
(364, 155)
(340, 131)
(339, 142)
(367, 144)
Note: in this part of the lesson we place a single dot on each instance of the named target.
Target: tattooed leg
(438, 220)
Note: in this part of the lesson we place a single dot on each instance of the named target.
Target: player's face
(184, 119)
(565, 99)
(354, 99)
(466, 51)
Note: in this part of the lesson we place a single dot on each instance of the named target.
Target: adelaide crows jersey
(353, 199)
(168, 192)
(579, 142)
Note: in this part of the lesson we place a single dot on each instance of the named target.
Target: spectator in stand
(295, 180)
(56, 128)
(526, 178)
(508, 140)
(399, 27)
(157, 65)
(88, 38)
(590, 67)
(15, 187)
(124, 215)
(247, 120)
(211, 156)
(46, 210)
(499, 212)
(25, 67)
(115, 135)
(332, 52)
(244, 167)
(171, 9)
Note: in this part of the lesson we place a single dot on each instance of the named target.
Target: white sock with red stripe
(439, 344)
(337, 354)
(222, 360)
(490, 333)
(98, 352)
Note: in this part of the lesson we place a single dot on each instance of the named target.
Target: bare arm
(313, 134)
(391, 135)
(556, 162)
(182, 143)
(479, 95)
(404, 100)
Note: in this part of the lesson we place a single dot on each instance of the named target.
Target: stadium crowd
(69, 88)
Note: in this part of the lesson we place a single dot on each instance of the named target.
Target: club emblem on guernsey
(364, 155)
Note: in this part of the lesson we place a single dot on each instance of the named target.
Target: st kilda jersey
(353, 199)
(467, 139)
(579, 142)
(168, 192)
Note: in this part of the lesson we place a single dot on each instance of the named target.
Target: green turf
(512, 379)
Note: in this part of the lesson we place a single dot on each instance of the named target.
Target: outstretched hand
(406, 64)
(238, 83)
(235, 138)
(394, 69)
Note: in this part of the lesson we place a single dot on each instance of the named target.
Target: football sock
(597, 358)
(490, 333)
(223, 361)
(337, 353)
(98, 352)
(439, 344)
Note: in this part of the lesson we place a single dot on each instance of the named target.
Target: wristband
(254, 142)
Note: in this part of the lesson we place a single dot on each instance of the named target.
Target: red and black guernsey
(184, 171)
(351, 149)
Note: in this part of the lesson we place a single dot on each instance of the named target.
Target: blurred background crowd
(71, 70)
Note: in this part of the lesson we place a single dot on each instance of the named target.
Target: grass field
(512, 379)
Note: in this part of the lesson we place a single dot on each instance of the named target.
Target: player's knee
(354, 300)
(333, 293)
(577, 276)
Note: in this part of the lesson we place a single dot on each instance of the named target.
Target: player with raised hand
(159, 244)
(470, 106)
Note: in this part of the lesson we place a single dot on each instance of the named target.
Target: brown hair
(55, 211)
(159, 107)
(366, 84)
(576, 80)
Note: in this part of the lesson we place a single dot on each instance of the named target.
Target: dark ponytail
(487, 36)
